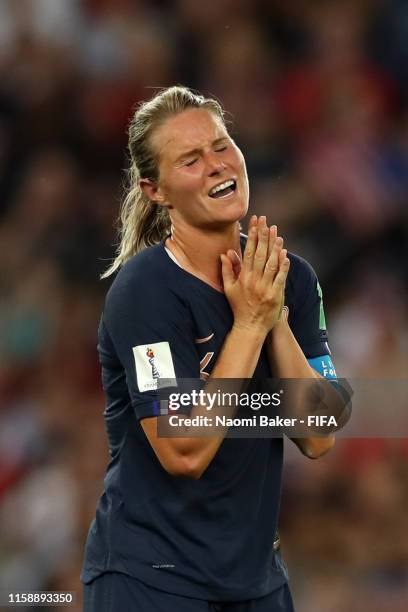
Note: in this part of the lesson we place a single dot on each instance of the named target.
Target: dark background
(318, 93)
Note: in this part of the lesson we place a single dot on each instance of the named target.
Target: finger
(261, 222)
(227, 271)
(253, 222)
(273, 232)
(282, 256)
(284, 313)
(272, 264)
(250, 248)
(261, 225)
(235, 260)
(261, 253)
(280, 278)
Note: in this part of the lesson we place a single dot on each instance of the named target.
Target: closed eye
(191, 162)
(224, 148)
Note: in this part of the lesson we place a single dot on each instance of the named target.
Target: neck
(198, 251)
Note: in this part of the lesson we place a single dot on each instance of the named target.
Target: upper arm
(306, 314)
(152, 333)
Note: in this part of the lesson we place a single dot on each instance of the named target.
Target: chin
(240, 208)
(231, 210)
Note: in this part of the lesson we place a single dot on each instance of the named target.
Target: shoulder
(141, 267)
(302, 276)
(143, 273)
(303, 293)
(145, 284)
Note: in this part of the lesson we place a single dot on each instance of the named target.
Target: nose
(215, 165)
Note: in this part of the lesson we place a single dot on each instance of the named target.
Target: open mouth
(223, 190)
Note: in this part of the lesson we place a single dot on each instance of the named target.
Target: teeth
(215, 190)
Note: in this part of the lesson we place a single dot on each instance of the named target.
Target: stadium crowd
(319, 100)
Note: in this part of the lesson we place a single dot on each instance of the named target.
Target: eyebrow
(198, 150)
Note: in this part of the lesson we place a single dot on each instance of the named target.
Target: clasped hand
(255, 287)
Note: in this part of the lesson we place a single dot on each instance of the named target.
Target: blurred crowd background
(319, 99)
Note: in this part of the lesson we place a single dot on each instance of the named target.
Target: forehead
(192, 129)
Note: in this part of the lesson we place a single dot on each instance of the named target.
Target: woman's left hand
(235, 258)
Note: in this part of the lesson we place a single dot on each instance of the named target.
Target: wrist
(282, 321)
(247, 332)
(280, 325)
(279, 333)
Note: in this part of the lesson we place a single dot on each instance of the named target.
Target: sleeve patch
(324, 366)
(153, 363)
(322, 318)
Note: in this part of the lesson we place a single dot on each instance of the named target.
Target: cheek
(191, 179)
(238, 159)
(183, 184)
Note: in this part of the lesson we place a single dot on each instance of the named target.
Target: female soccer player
(189, 524)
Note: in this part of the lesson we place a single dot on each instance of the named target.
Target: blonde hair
(143, 223)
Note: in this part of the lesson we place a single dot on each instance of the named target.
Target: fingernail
(279, 240)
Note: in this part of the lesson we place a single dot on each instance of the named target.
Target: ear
(153, 192)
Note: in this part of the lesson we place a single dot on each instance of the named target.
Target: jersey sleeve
(306, 312)
(152, 334)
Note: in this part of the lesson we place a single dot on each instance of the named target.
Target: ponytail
(142, 224)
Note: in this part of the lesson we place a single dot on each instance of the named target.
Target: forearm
(189, 454)
(287, 360)
(240, 353)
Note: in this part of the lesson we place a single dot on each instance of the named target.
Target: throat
(189, 265)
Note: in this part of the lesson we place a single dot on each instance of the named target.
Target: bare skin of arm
(288, 361)
(255, 296)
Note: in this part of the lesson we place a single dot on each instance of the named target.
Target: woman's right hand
(256, 294)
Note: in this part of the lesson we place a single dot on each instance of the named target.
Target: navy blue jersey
(210, 538)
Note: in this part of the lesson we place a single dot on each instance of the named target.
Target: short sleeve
(151, 331)
(306, 312)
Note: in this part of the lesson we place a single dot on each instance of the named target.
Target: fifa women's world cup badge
(152, 361)
(154, 366)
